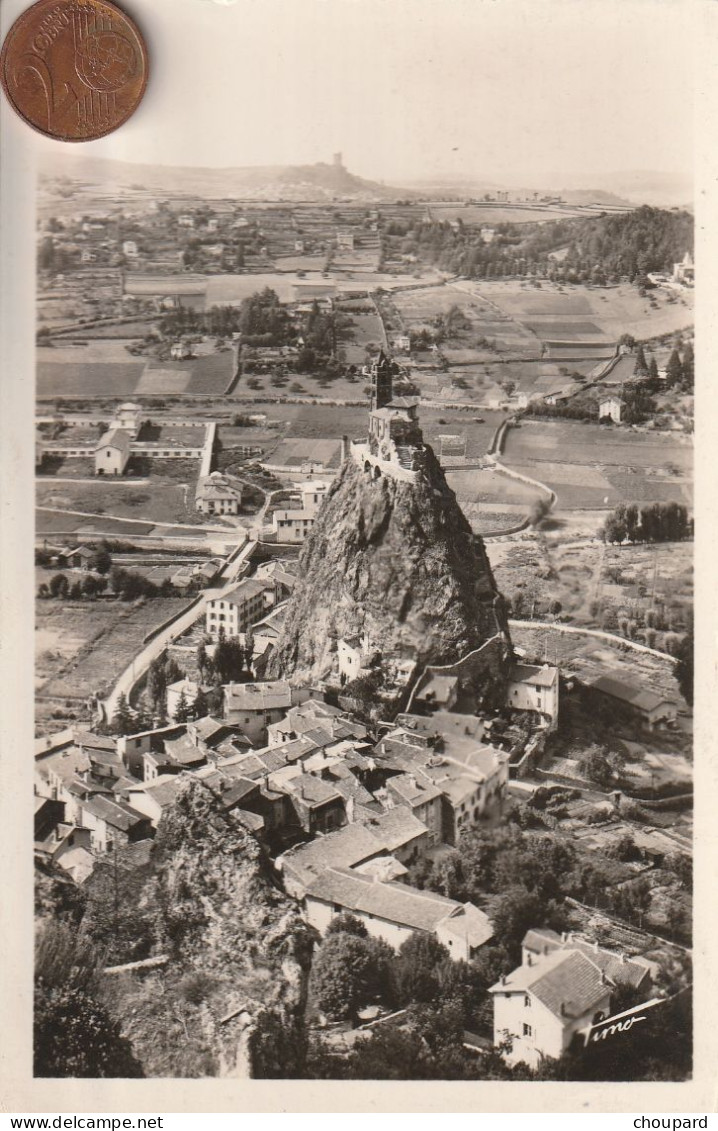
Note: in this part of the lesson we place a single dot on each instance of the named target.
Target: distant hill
(661, 190)
(634, 187)
(321, 182)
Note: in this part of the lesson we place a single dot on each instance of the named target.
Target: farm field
(490, 487)
(231, 289)
(155, 502)
(292, 454)
(340, 388)
(492, 502)
(51, 523)
(367, 329)
(82, 646)
(616, 310)
(575, 442)
(589, 466)
(501, 214)
(105, 367)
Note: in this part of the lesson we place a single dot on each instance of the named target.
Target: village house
(231, 614)
(216, 495)
(152, 798)
(112, 452)
(177, 754)
(394, 911)
(306, 717)
(647, 707)
(180, 351)
(79, 557)
(540, 1007)
(563, 985)
(438, 690)
(254, 706)
(421, 797)
(112, 823)
(389, 840)
(292, 525)
(446, 751)
(534, 688)
(175, 691)
(131, 748)
(609, 408)
(401, 343)
(351, 656)
(318, 806)
(69, 848)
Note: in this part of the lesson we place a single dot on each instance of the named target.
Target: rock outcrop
(395, 562)
(236, 946)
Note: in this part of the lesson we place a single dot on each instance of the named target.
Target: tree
(514, 913)
(123, 719)
(157, 683)
(59, 586)
(182, 710)
(200, 705)
(229, 660)
(278, 1045)
(653, 371)
(596, 765)
(418, 966)
(347, 924)
(641, 367)
(101, 562)
(74, 1034)
(345, 975)
(538, 510)
(674, 369)
(688, 363)
(91, 586)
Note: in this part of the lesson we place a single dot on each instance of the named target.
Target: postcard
(358, 513)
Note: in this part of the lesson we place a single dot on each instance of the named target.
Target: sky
(546, 91)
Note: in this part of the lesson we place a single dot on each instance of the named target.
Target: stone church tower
(382, 373)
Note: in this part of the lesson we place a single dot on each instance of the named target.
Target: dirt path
(611, 637)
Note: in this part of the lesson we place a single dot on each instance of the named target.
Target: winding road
(154, 648)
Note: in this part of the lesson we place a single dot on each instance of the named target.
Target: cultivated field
(615, 310)
(492, 502)
(105, 367)
(501, 214)
(155, 502)
(292, 454)
(82, 646)
(595, 467)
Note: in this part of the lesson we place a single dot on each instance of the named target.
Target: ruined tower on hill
(391, 562)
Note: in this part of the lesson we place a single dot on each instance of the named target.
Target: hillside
(288, 182)
(396, 561)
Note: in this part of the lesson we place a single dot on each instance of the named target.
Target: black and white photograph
(363, 544)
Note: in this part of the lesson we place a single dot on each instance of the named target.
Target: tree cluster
(655, 522)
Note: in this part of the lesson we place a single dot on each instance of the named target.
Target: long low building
(644, 704)
(394, 911)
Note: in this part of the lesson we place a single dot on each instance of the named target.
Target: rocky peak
(396, 562)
